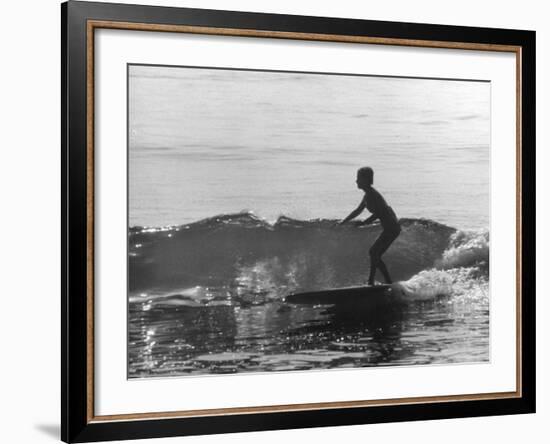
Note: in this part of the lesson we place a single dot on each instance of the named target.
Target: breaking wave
(242, 259)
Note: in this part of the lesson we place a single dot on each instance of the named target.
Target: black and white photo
(292, 221)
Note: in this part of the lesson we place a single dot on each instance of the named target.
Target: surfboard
(347, 295)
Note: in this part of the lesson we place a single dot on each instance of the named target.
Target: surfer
(375, 203)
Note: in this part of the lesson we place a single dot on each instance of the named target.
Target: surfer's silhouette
(375, 203)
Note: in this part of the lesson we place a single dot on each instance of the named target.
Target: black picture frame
(77, 420)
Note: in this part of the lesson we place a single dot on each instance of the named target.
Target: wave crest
(243, 257)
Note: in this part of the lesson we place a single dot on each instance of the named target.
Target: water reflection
(172, 340)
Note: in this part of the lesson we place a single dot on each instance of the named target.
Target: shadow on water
(372, 330)
(273, 336)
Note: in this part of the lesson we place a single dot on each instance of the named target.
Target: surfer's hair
(366, 173)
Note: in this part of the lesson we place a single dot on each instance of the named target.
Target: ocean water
(204, 142)
(236, 180)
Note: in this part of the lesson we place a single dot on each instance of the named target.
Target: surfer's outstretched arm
(354, 213)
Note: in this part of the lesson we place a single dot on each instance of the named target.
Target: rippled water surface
(221, 337)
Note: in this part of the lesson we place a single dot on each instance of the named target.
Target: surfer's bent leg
(375, 256)
(384, 270)
(377, 250)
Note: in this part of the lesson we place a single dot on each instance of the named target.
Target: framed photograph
(275, 221)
